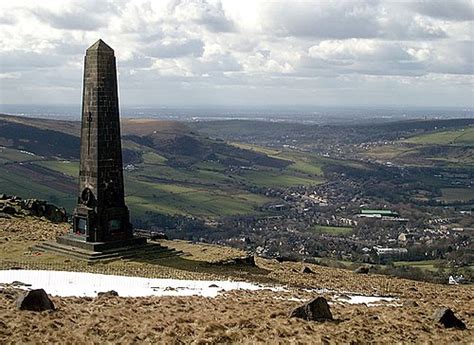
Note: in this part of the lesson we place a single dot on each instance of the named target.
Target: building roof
(381, 212)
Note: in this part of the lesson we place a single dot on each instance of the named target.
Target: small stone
(344, 297)
(242, 261)
(446, 317)
(18, 283)
(362, 270)
(315, 310)
(35, 300)
(411, 303)
(111, 293)
(306, 269)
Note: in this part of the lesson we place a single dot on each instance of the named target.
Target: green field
(457, 194)
(304, 163)
(199, 187)
(460, 137)
(274, 178)
(428, 265)
(204, 189)
(194, 175)
(449, 148)
(153, 158)
(12, 155)
(331, 230)
(66, 167)
(13, 183)
(307, 168)
(265, 150)
(390, 152)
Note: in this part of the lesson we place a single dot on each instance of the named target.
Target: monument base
(78, 242)
(135, 247)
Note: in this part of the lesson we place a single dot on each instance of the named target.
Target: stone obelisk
(101, 227)
(101, 214)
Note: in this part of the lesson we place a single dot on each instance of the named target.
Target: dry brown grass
(202, 251)
(235, 317)
(23, 229)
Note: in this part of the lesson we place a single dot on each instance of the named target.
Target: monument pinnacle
(100, 45)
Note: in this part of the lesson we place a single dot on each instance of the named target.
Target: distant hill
(262, 131)
(37, 139)
(170, 168)
(184, 147)
(174, 140)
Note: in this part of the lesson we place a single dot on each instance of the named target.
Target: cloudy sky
(239, 52)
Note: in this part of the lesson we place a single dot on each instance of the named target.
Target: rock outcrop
(446, 317)
(15, 206)
(35, 300)
(362, 270)
(111, 293)
(315, 310)
(248, 261)
(306, 269)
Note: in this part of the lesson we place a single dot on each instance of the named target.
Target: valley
(280, 190)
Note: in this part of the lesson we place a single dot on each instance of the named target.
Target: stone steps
(155, 250)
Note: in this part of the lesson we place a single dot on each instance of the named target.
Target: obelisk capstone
(101, 214)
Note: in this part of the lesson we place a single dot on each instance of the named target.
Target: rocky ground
(234, 317)
(13, 206)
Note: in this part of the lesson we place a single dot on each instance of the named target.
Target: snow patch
(360, 299)
(82, 284)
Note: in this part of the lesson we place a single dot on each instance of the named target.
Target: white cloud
(459, 10)
(217, 50)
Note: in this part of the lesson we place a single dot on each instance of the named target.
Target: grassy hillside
(204, 189)
(444, 148)
(457, 194)
(173, 170)
(459, 137)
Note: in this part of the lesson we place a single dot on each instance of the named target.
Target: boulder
(242, 261)
(306, 269)
(315, 310)
(35, 300)
(41, 208)
(55, 214)
(446, 317)
(8, 209)
(362, 270)
(111, 293)
(281, 259)
(245, 261)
